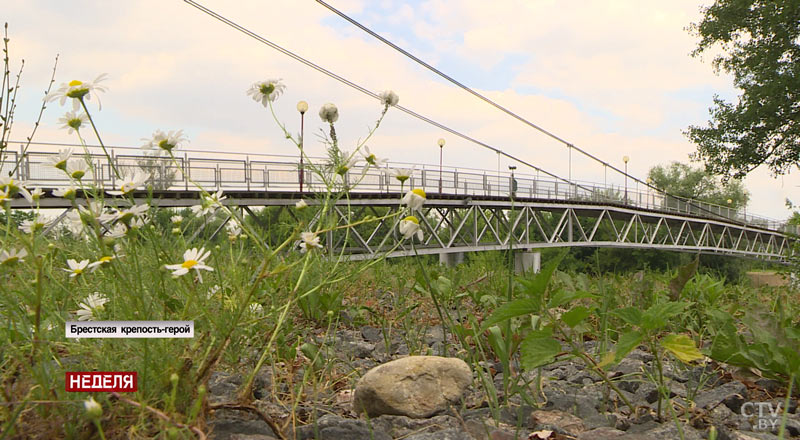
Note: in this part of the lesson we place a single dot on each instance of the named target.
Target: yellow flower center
(78, 174)
(411, 219)
(75, 123)
(74, 83)
(165, 145)
(266, 89)
(11, 260)
(188, 264)
(371, 159)
(419, 192)
(77, 271)
(105, 259)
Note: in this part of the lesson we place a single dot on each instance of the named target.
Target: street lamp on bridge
(302, 107)
(626, 159)
(441, 148)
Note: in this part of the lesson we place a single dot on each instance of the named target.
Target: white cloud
(613, 78)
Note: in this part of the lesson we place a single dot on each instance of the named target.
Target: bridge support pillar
(526, 261)
(451, 259)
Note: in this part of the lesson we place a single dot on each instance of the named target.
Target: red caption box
(98, 381)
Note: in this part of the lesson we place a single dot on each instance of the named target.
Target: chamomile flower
(59, 160)
(77, 168)
(389, 98)
(329, 113)
(164, 141)
(78, 91)
(234, 230)
(256, 308)
(372, 159)
(403, 174)
(32, 226)
(309, 240)
(73, 121)
(209, 204)
(117, 231)
(4, 198)
(76, 268)
(176, 219)
(68, 192)
(90, 308)
(409, 227)
(348, 161)
(131, 181)
(12, 187)
(193, 259)
(37, 194)
(106, 259)
(12, 256)
(415, 198)
(133, 213)
(300, 205)
(266, 91)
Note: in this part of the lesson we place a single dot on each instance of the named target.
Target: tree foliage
(682, 180)
(758, 42)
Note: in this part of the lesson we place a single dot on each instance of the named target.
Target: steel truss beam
(472, 223)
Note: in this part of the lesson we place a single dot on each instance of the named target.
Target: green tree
(681, 180)
(758, 42)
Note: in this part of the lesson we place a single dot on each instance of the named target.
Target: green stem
(96, 133)
(433, 296)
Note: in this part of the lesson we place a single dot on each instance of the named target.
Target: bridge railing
(233, 171)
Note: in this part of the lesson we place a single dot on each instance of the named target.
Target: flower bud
(93, 409)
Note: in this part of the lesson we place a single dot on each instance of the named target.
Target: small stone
(731, 394)
(333, 427)
(447, 434)
(604, 433)
(372, 334)
(414, 386)
(565, 422)
(669, 431)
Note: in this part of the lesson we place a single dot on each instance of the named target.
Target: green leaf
(576, 315)
(626, 343)
(497, 342)
(607, 359)
(631, 315)
(682, 347)
(536, 351)
(658, 315)
(518, 307)
(563, 297)
(685, 273)
(535, 288)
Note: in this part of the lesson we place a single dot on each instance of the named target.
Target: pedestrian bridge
(467, 210)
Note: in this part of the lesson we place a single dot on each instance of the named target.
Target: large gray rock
(414, 386)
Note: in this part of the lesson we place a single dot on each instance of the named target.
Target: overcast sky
(612, 77)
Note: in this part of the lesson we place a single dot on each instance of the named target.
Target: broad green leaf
(631, 315)
(518, 307)
(658, 315)
(607, 359)
(682, 347)
(536, 351)
(563, 297)
(576, 315)
(685, 273)
(537, 286)
(626, 343)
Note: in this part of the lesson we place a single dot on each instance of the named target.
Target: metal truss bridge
(467, 210)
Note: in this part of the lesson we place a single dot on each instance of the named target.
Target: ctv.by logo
(766, 416)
